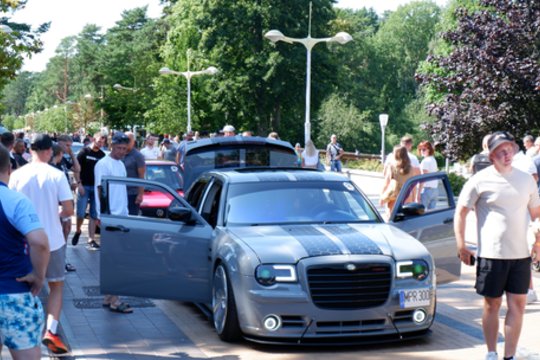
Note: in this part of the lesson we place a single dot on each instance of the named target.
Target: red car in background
(155, 203)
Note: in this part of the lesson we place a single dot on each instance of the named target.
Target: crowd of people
(38, 187)
(40, 178)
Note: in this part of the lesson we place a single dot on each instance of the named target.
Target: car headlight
(417, 269)
(270, 274)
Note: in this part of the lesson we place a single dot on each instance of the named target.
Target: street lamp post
(309, 42)
(383, 121)
(211, 70)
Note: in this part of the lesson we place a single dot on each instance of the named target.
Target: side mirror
(412, 209)
(178, 213)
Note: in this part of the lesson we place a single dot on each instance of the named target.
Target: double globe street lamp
(309, 42)
(211, 70)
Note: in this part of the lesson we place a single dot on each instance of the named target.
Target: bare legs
(512, 324)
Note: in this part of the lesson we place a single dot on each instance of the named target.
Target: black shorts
(495, 276)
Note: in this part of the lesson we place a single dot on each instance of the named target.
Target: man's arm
(535, 217)
(67, 208)
(140, 172)
(460, 218)
(39, 256)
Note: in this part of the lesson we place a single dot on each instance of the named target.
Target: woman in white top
(430, 191)
(310, 156)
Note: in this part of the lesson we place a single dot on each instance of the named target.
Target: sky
(68, 17)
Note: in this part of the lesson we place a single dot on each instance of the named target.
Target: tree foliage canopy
(20, 42)
(491, 78)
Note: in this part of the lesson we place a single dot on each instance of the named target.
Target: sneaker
(70, 267)
(531, 296)
(492, 355)
(75, 239)
(54, 343)
(92, 245)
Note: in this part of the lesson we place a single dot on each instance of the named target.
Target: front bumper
(303, 322)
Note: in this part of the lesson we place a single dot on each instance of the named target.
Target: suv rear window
(242, 155)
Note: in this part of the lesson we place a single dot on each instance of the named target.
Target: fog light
(272, 322)
(419, 316)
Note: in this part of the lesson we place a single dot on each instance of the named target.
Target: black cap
(500, 137)
(120, 138)
(41, 142)
(166, 141)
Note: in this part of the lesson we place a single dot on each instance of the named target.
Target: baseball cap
(120, 138)
(166, 141)
(41, 142)
(229, 128)
(500, 137)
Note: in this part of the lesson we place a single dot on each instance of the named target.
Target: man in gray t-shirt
(135, 168)
(168, 151)
(502, 197)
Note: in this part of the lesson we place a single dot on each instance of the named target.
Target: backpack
(479, 162)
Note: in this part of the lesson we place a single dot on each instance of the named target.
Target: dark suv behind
(234, 152)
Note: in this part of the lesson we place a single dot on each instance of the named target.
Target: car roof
(273, 174)
(237, 140)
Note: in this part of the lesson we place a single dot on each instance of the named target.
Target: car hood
(290, 243)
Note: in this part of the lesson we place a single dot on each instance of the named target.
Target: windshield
(302, 202)
(165, 174)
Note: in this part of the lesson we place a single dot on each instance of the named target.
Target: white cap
(228, 128)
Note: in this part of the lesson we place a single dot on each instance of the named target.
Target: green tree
(260, 86)
(131, 58)
(352, 127)
(16, 92)
(22, 41)
(402, 43)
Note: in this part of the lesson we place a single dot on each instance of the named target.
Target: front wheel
(224, 307)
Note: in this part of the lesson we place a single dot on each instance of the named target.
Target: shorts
(21, 323)
(495, 276)
(82, 202)
(57, 264)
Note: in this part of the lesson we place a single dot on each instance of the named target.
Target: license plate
(414, 298)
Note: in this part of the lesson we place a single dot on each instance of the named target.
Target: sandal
(122, 308)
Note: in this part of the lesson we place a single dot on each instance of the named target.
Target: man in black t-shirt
(87, 158)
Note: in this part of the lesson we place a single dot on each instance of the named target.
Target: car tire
(225, 316)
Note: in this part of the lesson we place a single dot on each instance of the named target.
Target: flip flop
(122, 308)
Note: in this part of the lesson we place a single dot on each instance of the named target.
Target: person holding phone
(503, 197)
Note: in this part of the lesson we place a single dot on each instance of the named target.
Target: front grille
(336, 287)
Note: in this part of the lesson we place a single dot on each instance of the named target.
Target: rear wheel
(224, 307)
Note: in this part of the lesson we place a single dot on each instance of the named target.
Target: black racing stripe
(314, 242)
(355, 241)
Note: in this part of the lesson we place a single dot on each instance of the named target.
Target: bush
(456, 183)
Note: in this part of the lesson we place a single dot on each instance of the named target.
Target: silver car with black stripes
(289, 256)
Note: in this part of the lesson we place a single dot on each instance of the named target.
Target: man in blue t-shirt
(21, 275)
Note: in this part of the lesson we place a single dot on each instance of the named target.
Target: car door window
(195, 196)
(431, 193)
(210, 207)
